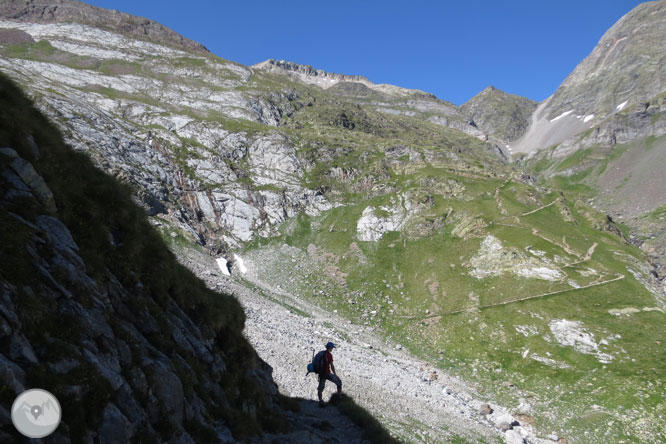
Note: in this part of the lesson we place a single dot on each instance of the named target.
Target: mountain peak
(325, 79)
(504, 115)
(307, 70)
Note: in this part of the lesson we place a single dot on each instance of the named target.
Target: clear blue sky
(451, 49)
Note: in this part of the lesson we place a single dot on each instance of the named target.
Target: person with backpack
(323, 365)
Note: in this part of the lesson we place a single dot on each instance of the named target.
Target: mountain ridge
(326, 79)
(59, 11)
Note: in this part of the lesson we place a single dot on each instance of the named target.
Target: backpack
(318, 363)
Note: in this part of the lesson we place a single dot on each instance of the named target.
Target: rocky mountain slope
(389, 207)
(624, 70)
(505, 116)
(70, 11)
(619, 93)
(188, 123)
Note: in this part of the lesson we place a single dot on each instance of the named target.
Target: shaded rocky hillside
(96, 308)
(504, 116)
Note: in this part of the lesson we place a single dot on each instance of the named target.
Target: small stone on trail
(398, 347)
(486, 409)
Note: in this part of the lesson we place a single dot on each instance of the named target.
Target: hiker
(326, 373)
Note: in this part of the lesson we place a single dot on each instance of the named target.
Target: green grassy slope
(429, 286)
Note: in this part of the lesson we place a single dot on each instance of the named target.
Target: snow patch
(222, 263)
(564, 114)
(241, 264)
(588, 118)
(621, 106)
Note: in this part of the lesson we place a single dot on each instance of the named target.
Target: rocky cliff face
(130, 110)
(625, 69)
(193, 132)
(93, 306)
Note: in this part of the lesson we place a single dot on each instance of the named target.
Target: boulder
(513, 437)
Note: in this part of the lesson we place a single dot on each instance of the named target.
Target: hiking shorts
(331, 377)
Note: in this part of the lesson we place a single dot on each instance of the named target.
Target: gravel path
(413, 400)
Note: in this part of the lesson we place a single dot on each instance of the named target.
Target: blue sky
(451, 49)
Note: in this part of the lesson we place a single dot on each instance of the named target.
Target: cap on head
(330, 345)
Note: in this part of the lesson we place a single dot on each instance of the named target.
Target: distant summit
(324, 79)
(307, 70)
(505, 116)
